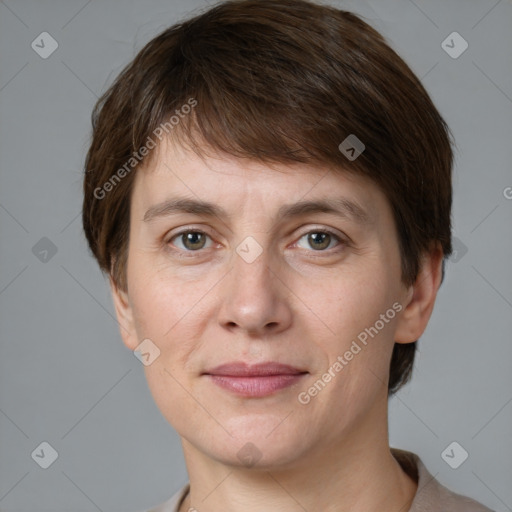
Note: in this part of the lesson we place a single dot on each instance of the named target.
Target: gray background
(65, 376)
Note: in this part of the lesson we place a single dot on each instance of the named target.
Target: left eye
(319, 240)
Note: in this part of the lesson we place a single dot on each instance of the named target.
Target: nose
(255, 297)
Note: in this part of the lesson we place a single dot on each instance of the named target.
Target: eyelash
(167, 243)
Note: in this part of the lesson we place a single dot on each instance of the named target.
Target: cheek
(354, 302)
(172, 311)
(358, 310)
(161, 301)
(170, 315)
(171, 393)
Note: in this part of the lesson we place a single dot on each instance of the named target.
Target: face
(302, 304)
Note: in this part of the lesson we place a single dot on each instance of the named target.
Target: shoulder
(431, 494)
(452, 501)
(172, 504)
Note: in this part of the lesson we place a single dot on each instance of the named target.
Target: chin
(259, 442)
(257, 455)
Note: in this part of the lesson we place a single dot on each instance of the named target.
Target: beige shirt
(431, 496)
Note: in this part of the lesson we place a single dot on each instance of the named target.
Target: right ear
(124, 315)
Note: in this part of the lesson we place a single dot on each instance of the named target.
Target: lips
(240, 369)
(256, 380)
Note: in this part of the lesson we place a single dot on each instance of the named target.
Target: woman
(268, 188)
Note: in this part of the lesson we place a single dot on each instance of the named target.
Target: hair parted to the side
(279, 81)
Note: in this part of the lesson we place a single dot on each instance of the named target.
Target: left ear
(421, 297)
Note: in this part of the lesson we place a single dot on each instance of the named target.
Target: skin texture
(295, 304)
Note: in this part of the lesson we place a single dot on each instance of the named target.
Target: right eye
(191, 240)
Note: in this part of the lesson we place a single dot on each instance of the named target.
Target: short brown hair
(277, 81)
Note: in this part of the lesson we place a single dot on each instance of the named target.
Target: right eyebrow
(184, 205)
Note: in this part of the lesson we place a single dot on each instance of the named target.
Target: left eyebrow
(340, 206)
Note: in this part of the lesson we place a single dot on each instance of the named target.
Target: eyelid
(324, 229)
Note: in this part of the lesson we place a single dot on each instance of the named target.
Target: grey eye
(319, 240)
(191, 240)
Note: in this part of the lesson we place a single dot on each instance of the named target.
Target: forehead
(234, 184)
